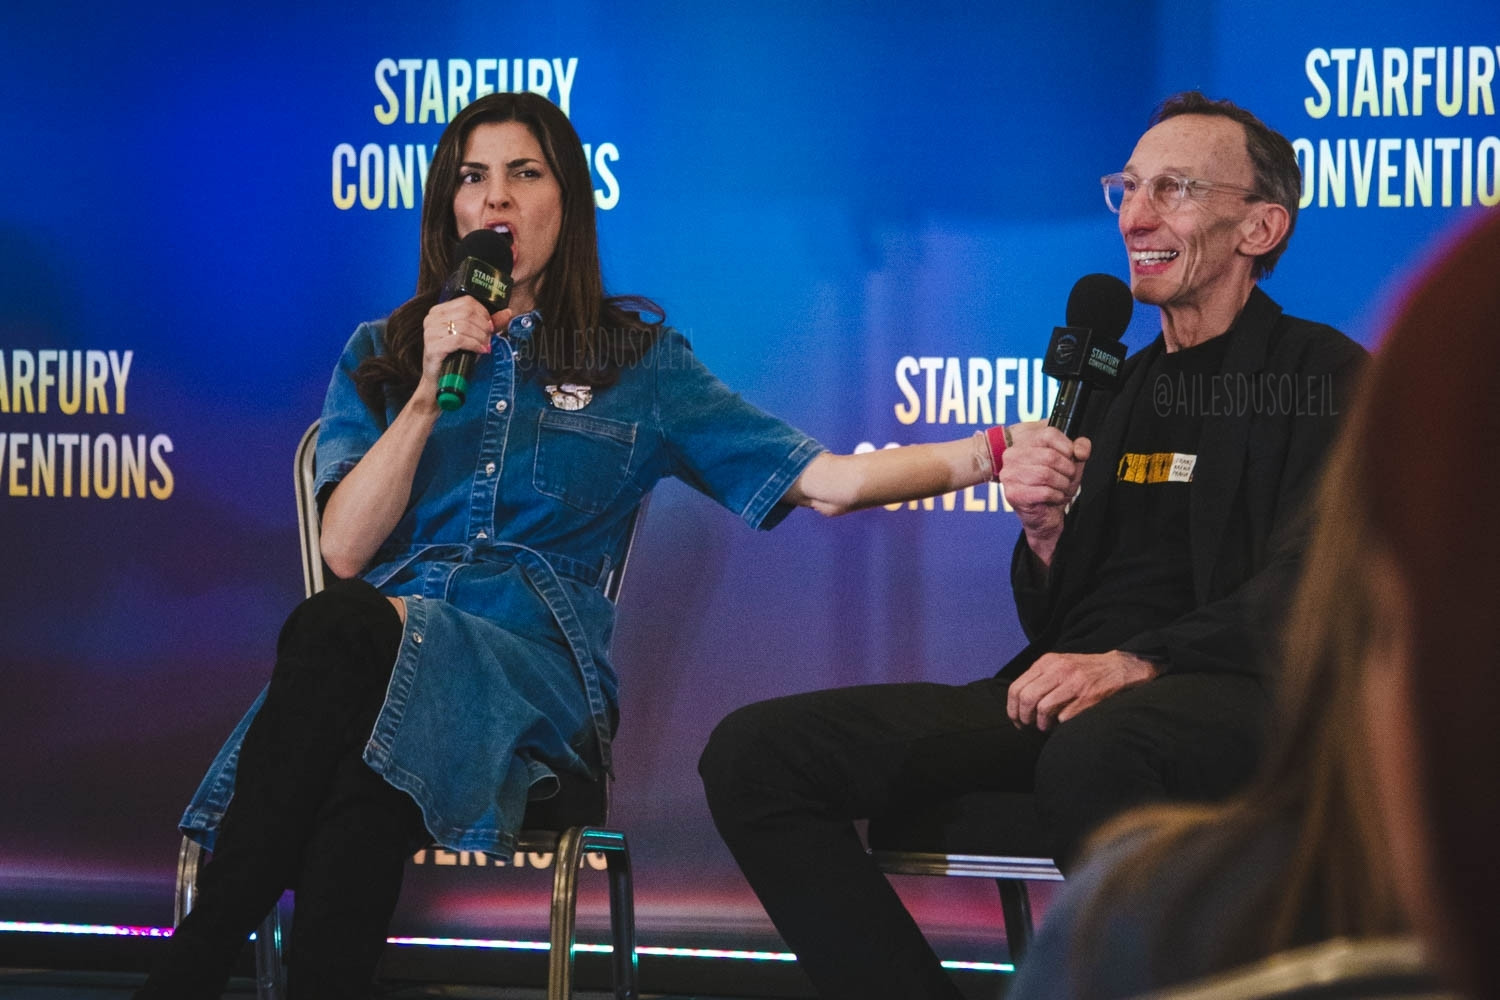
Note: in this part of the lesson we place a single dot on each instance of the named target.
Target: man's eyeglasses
(1165, 192)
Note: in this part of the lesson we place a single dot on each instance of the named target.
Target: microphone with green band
(483, 272)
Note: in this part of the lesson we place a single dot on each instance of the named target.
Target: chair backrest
(614, 582)
(314, 576)
(305, 471)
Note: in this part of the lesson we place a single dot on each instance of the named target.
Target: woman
(462, 662)
(1172, 893)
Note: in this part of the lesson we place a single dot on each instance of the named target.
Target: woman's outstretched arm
(837, 484)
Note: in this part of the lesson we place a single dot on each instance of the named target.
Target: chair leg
(626, 968)
(564, 913)
(189, 858)
(1015, 901)
(566, 864)
(270, 973)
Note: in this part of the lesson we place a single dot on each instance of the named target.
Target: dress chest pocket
(581, 459)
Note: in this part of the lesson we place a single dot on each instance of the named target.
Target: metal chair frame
(568, 845)
(975, 835)
(1010, 874)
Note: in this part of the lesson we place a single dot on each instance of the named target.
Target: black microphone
(1087, 353)
(483, 272)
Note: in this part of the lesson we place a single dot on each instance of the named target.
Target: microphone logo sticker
(485, 283)
(1064, 348)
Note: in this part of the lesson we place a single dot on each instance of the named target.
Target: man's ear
(1263, 228)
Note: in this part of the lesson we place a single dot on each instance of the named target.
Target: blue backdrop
(835, 204)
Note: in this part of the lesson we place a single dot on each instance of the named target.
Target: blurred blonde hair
(1315, 781)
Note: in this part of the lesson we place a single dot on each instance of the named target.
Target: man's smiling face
(1190, 255)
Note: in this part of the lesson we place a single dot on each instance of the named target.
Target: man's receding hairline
(1244, 133)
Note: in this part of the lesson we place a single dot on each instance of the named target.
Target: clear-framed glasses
(1165, 192)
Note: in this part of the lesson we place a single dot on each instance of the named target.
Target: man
(1151, 547)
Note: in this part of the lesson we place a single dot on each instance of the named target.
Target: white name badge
(1182, 468)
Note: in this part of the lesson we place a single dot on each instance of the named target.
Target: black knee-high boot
(347, 889)
(334, 659)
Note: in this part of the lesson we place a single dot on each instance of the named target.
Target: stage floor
(32, 984)
(23, 984)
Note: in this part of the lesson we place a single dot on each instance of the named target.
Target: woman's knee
(349, 613)
(346, 636)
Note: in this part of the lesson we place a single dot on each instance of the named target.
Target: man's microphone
(1087, 353)
(483, 272)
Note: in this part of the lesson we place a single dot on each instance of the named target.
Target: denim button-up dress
(519, 508)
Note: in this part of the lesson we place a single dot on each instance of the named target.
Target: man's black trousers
(786, 778)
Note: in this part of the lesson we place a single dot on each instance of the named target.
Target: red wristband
(996, 437)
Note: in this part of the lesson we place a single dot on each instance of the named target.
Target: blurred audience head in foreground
(1427, 440)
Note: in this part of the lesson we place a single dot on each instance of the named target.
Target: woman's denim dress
(518, 510)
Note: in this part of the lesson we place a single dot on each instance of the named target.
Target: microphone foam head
(1102, 303)
(489, 246)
